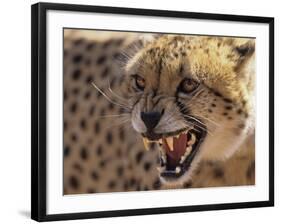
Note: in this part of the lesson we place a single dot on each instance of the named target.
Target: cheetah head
(193, 96)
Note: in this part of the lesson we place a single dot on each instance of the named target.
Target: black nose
(150, 119)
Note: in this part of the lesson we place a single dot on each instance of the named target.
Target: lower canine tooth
(178, 169)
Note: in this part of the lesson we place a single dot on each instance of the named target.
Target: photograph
(141, 111)
(157, 111)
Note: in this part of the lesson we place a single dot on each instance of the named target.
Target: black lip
(171, 174)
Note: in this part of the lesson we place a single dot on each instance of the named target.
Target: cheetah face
(192, 103)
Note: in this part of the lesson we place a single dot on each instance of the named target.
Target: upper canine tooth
(192, 140)
(145, 143)
(170, 143)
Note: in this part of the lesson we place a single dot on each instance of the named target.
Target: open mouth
(177, 150)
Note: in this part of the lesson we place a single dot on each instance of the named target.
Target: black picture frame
(38, 108)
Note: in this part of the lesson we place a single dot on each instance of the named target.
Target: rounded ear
(245, 53)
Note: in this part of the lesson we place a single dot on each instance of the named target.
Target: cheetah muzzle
(177, 150)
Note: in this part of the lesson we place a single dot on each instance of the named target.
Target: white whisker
(108, 98)
(208, 119)
(122, 123)
(191, 117)
(203, 128)
(115, 94)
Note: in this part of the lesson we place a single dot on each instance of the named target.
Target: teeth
(192, 140)
(163, 155)
(160, 141)
(178, 169)
(182, 159)
(170, 143)
(145, 143)
(187, 152)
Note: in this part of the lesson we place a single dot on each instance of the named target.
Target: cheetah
(157, 111)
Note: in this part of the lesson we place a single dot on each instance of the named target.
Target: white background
(15, 111)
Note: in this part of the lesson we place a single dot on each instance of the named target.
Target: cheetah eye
(139, 82)
(188, 85)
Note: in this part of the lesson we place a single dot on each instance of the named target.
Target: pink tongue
(179, 145)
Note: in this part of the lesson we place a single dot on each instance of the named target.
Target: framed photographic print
(138, 111)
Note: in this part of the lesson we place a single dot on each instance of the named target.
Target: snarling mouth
(177, 151)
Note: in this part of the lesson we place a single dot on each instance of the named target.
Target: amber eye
(188, 85)
(140, 82)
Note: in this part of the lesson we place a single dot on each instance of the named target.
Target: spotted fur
(103, 155)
